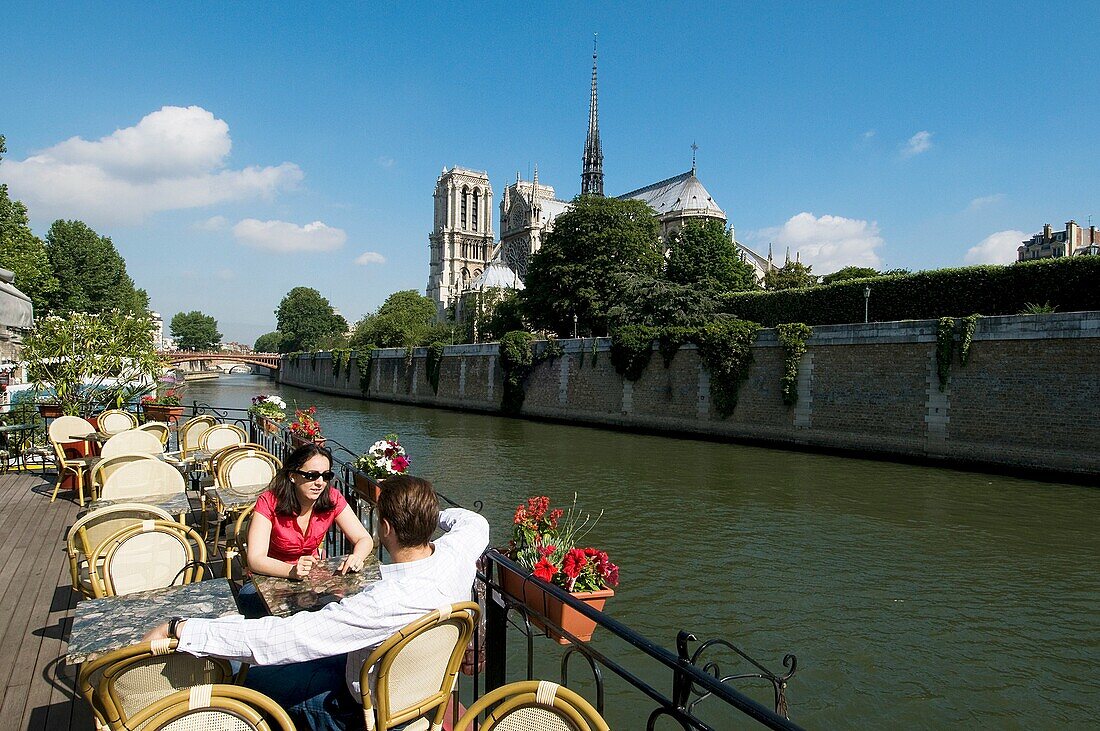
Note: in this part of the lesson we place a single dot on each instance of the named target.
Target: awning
(16, 310)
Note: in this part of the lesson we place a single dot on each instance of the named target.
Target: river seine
(914, 597)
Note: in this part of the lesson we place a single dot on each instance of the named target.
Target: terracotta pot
(530, 591)
(368, 490)
(162, 412)
(268, 425)
(50, 411)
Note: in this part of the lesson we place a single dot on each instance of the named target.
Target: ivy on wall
(341, 357)
(792, 336)
(365, 368)
(945, 343)
(517, 358)
(434, 364)
(631, 349)
(969, 326)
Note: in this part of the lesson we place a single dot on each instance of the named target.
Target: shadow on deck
(36, 603)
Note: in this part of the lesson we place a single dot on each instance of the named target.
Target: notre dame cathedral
(466, 258)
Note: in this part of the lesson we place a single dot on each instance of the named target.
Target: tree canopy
(704, 256)
(406, 319)
(91, 274)
(792, 275)
(306, 319)
(195, 331)
(653, 302)
(573, 271)
(23, 252)
(849, 272)
(268, 342)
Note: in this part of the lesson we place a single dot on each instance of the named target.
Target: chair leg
(60, 479)
(80, 486)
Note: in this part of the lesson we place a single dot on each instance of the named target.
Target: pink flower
(545, 570)
(400, 464)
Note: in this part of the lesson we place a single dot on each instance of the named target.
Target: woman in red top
(295, 512)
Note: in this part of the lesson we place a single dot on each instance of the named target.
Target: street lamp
(574, 325)
(866, 302)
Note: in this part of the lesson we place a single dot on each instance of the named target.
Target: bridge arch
(264, 360)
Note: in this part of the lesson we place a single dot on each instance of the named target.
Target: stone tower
(461, 241)
(592, 173)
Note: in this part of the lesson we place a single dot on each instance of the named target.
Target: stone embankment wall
(1028, 397)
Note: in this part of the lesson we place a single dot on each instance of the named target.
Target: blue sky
(235, 152)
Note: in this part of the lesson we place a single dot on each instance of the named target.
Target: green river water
(913, 596)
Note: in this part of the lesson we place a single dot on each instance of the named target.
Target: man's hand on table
(160, 632)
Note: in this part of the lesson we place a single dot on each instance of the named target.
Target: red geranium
(545, 541)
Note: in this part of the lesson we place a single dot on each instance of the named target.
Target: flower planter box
(269, 426)
(50, 411)
(298, 441)
(162, 412)
(368, 490)
(529, 590)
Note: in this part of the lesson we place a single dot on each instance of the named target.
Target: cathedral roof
(497, 275)
(683, 192)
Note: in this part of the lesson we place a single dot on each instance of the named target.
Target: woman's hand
(350, 565)
(301, 569)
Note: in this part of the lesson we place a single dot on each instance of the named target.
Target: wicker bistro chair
(104, 468)
(132, 441)
(416, 669)
(213, 707)
(116, 420)
(221, 435)
(142, 478)
(158, 428)
(88, 532)
(532, 704)
(236, 546)
(190, 431)
(120, 684)
(151, 555)
(259, 468)
(67, 430)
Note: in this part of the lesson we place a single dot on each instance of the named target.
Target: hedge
(1069, 283)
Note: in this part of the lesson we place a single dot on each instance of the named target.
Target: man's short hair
(411, 507)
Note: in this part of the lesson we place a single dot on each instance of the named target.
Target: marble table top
(103, 625)
(285, 597)
(238, 496)
(174, 504)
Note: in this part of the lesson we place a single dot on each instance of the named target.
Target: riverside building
(1074, 241)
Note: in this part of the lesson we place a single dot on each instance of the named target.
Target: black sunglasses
(312, 475)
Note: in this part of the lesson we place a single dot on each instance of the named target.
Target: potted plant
(306, 428)
(547, 543)
(385, 458)
(269, 410)
(165, 403)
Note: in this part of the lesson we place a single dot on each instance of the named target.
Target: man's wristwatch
(173, 627)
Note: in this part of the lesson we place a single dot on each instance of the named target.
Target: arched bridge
(264, 360)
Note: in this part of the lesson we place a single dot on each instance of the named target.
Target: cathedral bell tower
(592, 173)
(461, 241)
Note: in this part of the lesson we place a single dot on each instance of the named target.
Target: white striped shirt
(359, 623)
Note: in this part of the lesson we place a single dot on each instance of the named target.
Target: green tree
(268, 342)
(195, 331)
(23, 252)
(850, 272)
(704, 256)
(91, 274)
(792, 275)
(406, 319)
(573, 271)
(305, 318)
(654, 302)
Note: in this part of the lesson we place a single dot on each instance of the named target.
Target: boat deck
(36, 603)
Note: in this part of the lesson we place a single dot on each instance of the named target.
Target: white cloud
(918, 143)
(985, 200)
(174, 158)
(998, 248)
(869, 134)
(370, 257)
(214, 223)
(386, 161)
(284, 237)
(827, 243)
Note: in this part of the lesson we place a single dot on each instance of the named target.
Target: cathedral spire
(592, 174)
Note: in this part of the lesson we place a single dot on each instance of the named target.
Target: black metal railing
(699, 690)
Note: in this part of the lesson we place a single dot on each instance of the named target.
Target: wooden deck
(36, 601)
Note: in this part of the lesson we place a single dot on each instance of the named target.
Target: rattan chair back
(236, 546)
(65, 429)
(159, 428)
(116, 420)
(247, 467)
(104, 468)
(191, 430)
(214, 707)
(529, 705)
(151, 555)
(216, 459)
(220, 436)
(132, 441)
(142, 478)
(414, 672)
(97, 526)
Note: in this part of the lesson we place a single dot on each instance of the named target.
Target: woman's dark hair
(286, 497)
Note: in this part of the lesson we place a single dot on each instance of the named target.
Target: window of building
(477, 199)
(465, 194)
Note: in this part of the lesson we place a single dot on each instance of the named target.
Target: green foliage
(341, 357)
(725, 346)
(573, 272)
(304, 318)
(195, 331)
(647, 300)
(268, 342)
(969, 326)
(554, 348)
(1034, 308)
(92, 361)
(792, 275)
(703, 256)
(434, 363)
(631, 349)
(792, 336)
(365, 359)
(489, 314)
(405, 320)
(91, 275)
(945, 344)
(1068, 282)
(669, 340)
(843, 275)
(516, 361)
(23, 252)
